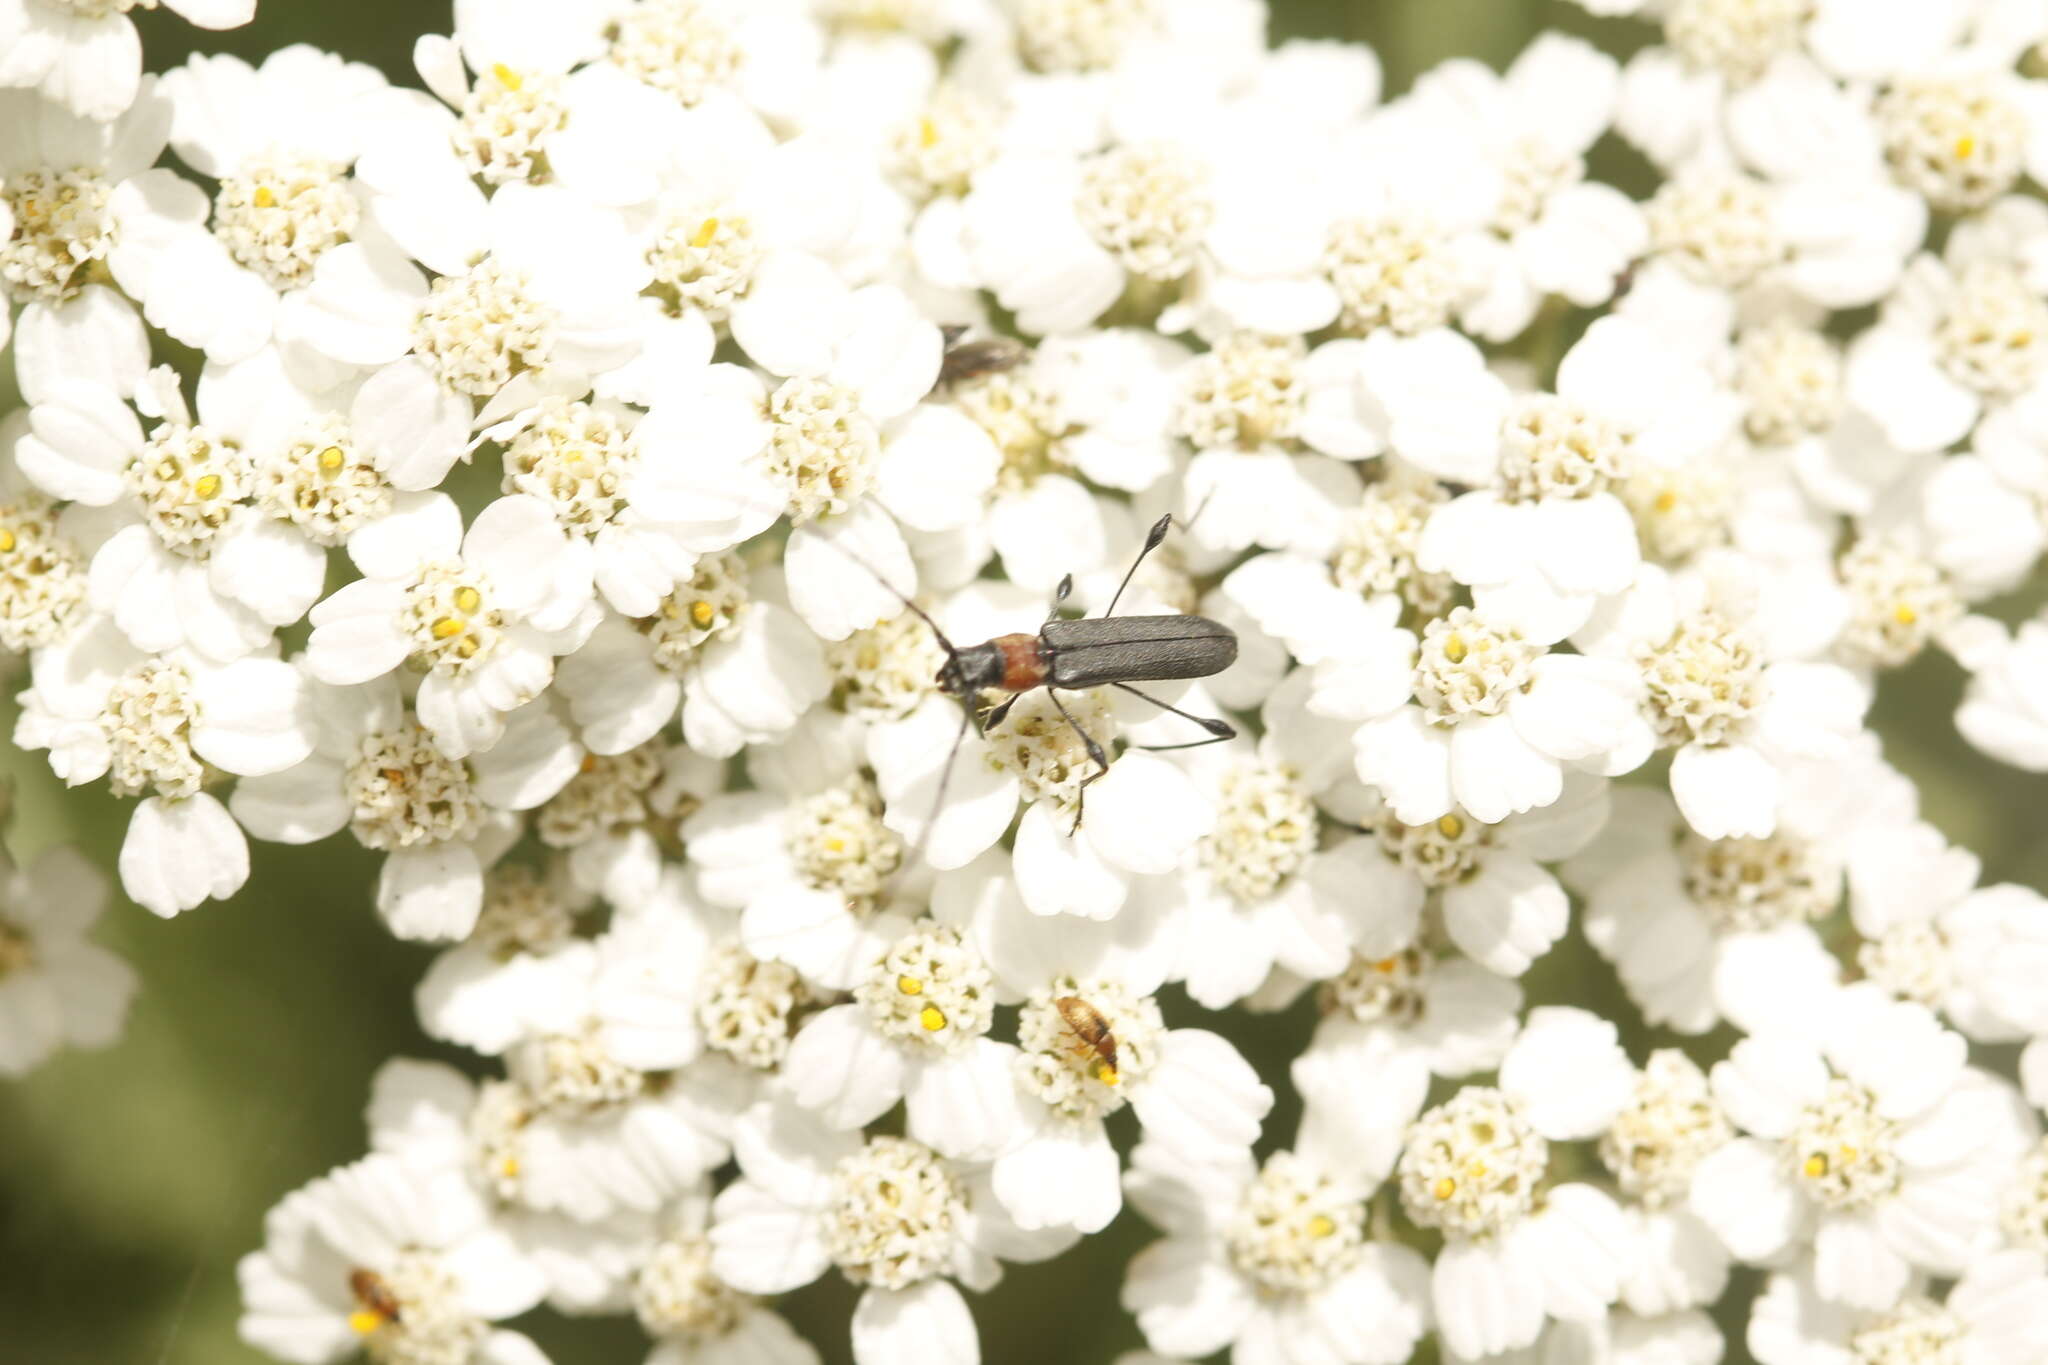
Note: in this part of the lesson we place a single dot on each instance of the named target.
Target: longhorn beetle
(1101, 651)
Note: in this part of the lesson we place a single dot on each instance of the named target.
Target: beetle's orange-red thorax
(1024, 662)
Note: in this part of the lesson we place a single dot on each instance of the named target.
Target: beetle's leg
(1152, 539)
(1219, 730)
(997, 716)
(1094, 752)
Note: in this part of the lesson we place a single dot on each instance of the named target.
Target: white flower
(1496, 721)
(1933, 936)
(192, 554)
(504, 124)
(1058, 238)
(1652, 1149)
(695, 1317)
(482, 613)
(1258, 891)
(280, 139)
(83, 201)
(610, 819)
(1092, 1041)
(894, 1216)
(811, 866)
(516, 974)
(1499, 905)
(1552, 536)
(59, 175)
(85, 54)
(568, 1155)
(1403, 1016)
(1831, 241)
(1410, 230)
(1554, 232)
(395, 1256)
(56, 988)
(1270, 1260)
(1996, 1313)
(635, 505)
(742, 668)
(1957, 341)
(1873, 1144)
(1721, 660)
(43, 565)
(1519, 1251)
(159, 726)
(535, 295)
(1078, 852)
(916, 1029)
(692, 50)
(1359, 661)
(730, 204)
(1705, 929)
(2005, 711)
(1100, 405)
(441, 821)
(1983, 510)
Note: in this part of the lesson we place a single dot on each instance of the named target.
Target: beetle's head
(967, 672)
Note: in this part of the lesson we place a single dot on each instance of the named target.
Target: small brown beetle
(1087, 1025)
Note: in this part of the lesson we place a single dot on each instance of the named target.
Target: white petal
(1409, 760)
(1508, 915)
(1727, 791)
(1496, 773)
(1743, 1192)
(253, 718)
(1060, 874)
(1145, 815)
(421, 528)
(846, 572)
(1484, 1305)
(760, 1245)
(1766, 1082)
(434, 892)
(1187, 1302)
(839, 1066)
(1852, 1263)
(1568, 1073)
(1578, 708)
(1066, 1175)
(1202, 1097)
(1588, 544)
(180, 853)
(965, 1104)
(412, 428)
(267, 566)
(937, 465)
(927, 1324)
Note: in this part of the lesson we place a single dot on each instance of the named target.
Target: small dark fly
(970, 359)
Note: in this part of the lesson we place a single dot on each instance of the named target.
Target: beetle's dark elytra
(1128, 649)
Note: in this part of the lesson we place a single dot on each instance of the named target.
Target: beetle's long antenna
(945, 780)
(966, 703)
(882, 578)
(1152, 539)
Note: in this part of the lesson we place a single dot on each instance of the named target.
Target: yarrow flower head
(846, 561)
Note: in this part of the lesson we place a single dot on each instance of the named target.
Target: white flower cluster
(567, 449)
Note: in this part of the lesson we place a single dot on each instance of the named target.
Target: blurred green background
(131, 1180)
